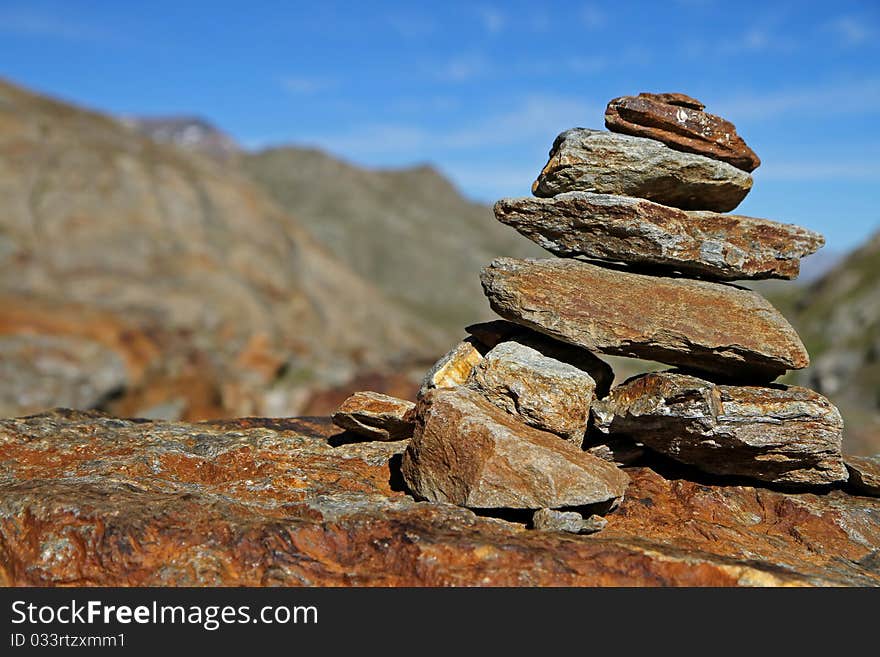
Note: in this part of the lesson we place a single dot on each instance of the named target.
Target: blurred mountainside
(181, 268)
(838, 317)
(152, 267)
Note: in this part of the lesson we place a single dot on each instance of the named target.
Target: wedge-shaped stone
(376, 416)
(778, 434)
(729, 331)
(541, 392)
(467, 451)
(686, 128)
(584, 160)
(653, 236)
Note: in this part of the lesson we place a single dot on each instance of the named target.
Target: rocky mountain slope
(409, 231)
(170, 249)
(839, 318)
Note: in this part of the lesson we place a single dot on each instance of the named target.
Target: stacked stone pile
(521, 414)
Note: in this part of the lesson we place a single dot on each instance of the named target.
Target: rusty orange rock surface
(93, 500)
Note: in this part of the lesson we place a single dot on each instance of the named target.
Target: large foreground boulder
(92, 500)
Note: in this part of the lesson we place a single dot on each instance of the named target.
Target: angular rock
(572, 522)
(584, 160)
(779, 434)
(466, 451)
(729, 331)
(683, 128)
(864, 473)
(88, 499)
(376, 416)
(541, 392)
(682, 100)
(454, 368)
(653, 236)
(495, 332)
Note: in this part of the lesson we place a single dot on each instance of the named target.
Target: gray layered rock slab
(864, 473)
(553, 520)
(653, 236)
(495, 332)
(467, 451)
(778, 434)
(376, 416)
(584, 160)
(728, 331)
(541, 392)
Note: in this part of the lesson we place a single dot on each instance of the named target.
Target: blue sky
(481, 89)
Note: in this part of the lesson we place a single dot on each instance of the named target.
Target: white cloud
(493, 20)
(303, 86)
(855, 97)
(464, 68)
(757, 39)
(536, 119)
(852, 31)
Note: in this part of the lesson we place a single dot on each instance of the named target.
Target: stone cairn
(522, 414)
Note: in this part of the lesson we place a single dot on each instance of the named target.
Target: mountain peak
(192, 133)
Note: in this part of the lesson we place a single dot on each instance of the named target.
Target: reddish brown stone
(680, 127)
(681, 100)
(376, 416)
(90, 500)
(728, 331)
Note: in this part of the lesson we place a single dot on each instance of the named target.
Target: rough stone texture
(376, 416)
(539, 391)
(864, 473)
(683, 128)
(567, 521)
(584, 160)
(467, 451)
(495, 332)
(656, 237)
(167, 243)
(681, 100)
(454, 367)
(780, 434)
(88, 500)
(731, 332)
